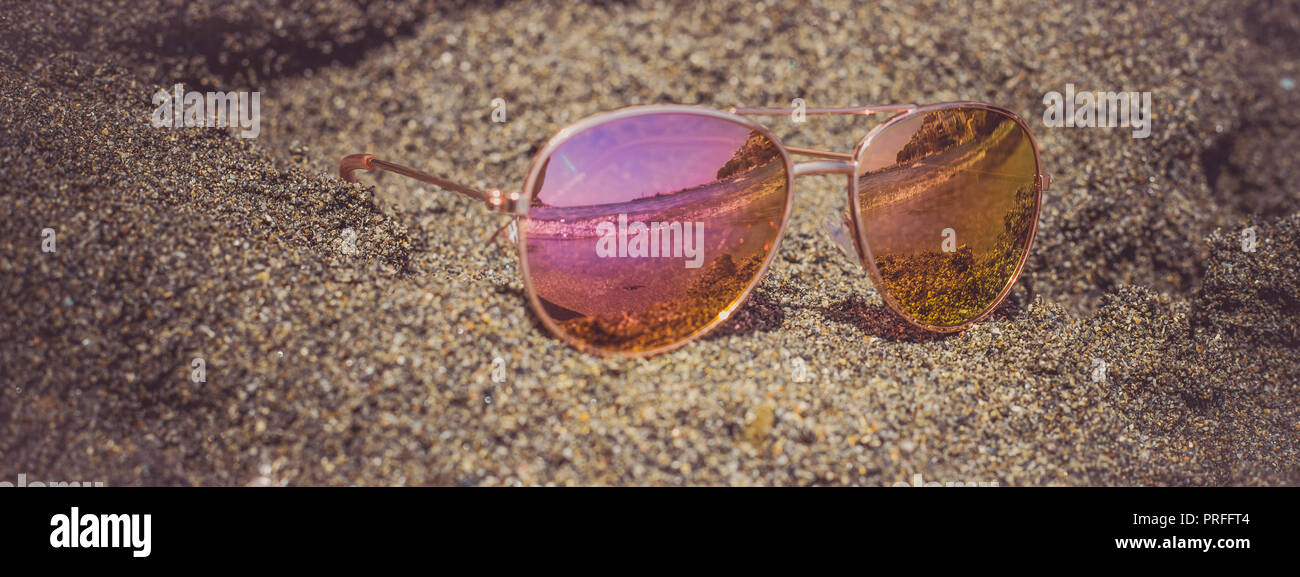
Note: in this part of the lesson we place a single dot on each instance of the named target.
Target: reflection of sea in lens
(657, 177)
(965, 169)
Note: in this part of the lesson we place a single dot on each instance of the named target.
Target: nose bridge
(812, 167)
(840, 224)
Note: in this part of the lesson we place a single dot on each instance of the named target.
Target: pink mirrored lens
(644, 230)
(948, 202)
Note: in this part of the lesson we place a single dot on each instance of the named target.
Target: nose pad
(839, 231)
(508, 232)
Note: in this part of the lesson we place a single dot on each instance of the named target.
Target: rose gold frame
(517, 203)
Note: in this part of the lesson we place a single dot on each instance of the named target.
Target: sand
(1143, 346)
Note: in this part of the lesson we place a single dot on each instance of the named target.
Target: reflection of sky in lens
(884, 148)
(638, 157)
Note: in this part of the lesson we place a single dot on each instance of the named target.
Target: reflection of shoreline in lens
(946, 289)
(666, 322)
(946, 129)
(901, 202)
(643, 303)
(740, 216)
(957, 170)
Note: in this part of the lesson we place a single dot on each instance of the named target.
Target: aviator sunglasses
(642, 229)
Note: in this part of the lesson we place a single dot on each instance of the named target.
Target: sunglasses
(642, 229)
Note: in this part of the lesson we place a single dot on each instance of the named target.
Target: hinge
(507, 202)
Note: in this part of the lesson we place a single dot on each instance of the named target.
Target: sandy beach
(366, 334)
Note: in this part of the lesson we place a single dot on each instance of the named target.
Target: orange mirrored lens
(948, 202)
(645, 230)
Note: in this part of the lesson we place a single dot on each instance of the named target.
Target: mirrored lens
(948, 203)
(644, 230)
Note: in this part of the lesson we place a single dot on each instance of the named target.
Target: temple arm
(495, 199)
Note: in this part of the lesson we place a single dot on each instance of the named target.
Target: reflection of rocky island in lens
(968, 170)
(617, 292)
